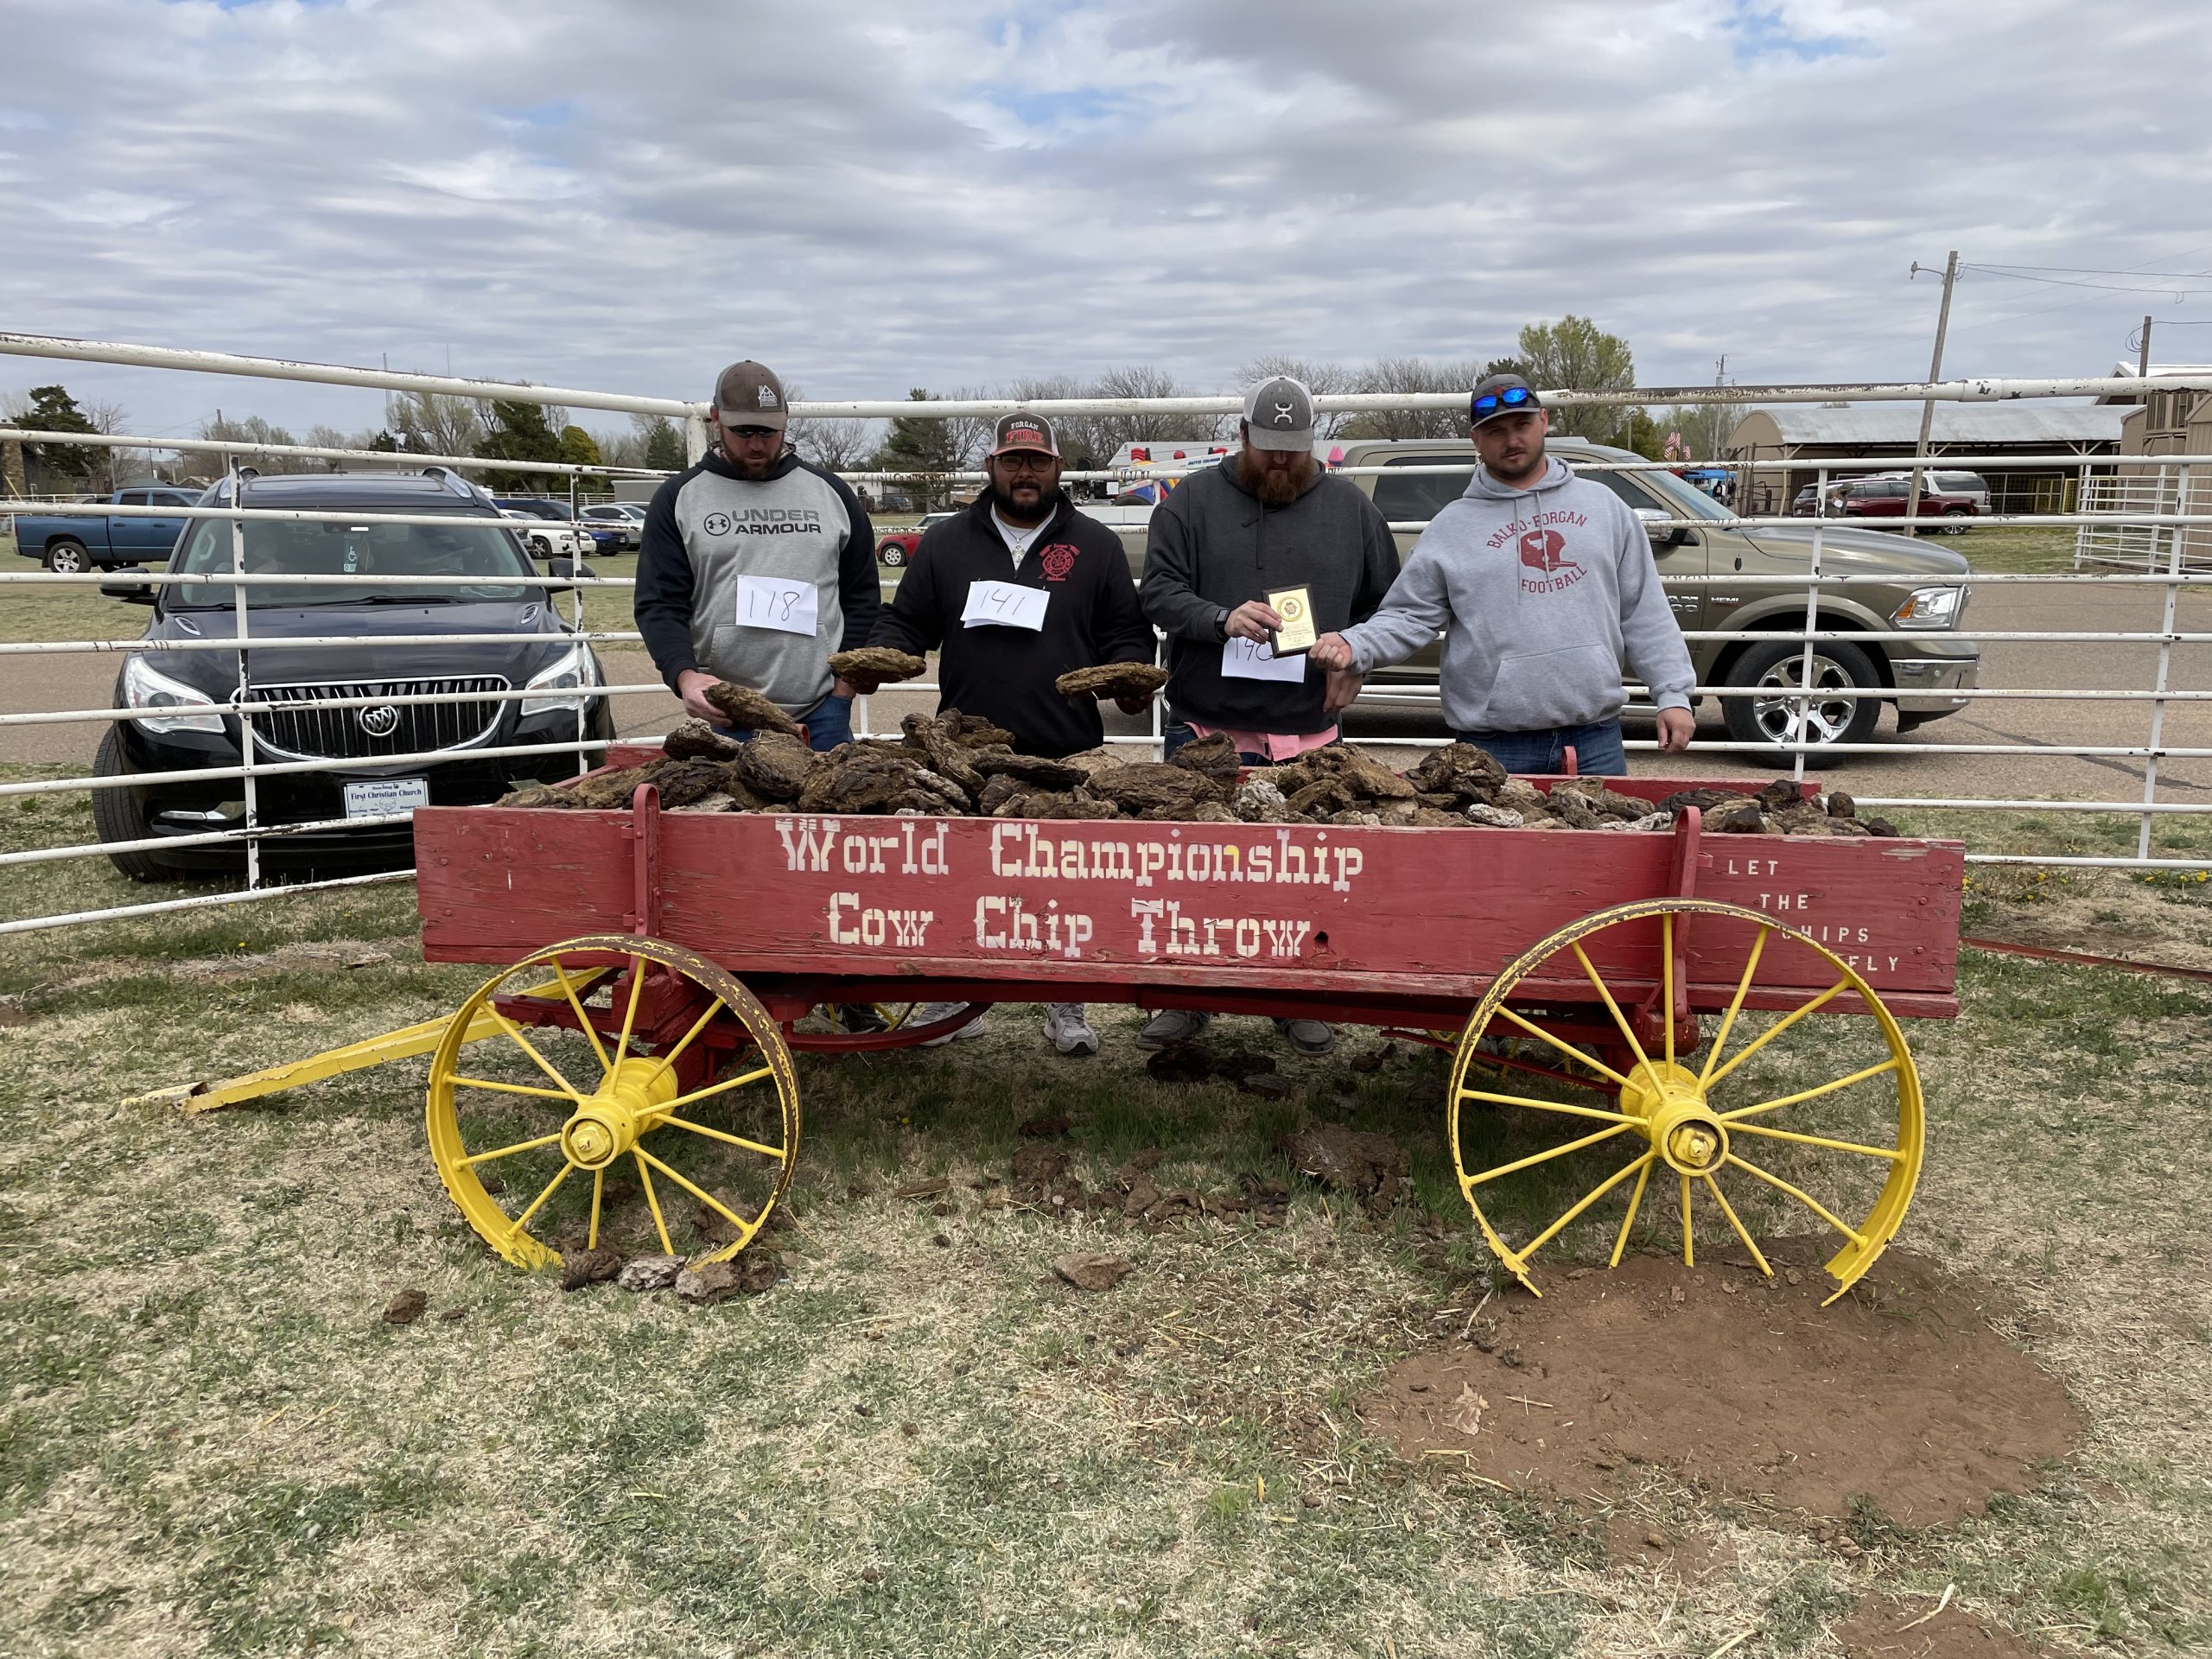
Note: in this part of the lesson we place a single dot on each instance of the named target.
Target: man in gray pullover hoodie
(1541, 582)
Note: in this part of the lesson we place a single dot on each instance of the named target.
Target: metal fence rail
(2150, 521)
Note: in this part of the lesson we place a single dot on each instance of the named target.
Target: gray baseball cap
(1500, 394)
(748, 394)
(1279, 414)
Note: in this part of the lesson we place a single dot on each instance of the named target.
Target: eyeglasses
(1027, 461)
(1505, 397)
(754, 433)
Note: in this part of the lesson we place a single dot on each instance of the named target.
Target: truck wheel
(66, 558)
(1770, 714)
(1959, 517)
(115, 816)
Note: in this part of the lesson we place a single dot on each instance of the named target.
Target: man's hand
(1677, 727)
(1344, 686)
(1332, 651)
(691, 686)
(847, 689)
(1135, 705)
(1254, 620)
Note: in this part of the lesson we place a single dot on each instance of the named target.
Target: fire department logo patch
(1059, 559)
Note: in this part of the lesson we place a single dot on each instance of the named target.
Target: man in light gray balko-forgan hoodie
(1540, 584)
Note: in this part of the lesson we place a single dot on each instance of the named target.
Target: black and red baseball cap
(1022, 431)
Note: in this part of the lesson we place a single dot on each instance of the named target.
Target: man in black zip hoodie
(1012, 593)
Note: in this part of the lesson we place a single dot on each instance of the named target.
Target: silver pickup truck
(1760, 588)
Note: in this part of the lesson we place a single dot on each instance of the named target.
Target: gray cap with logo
(1279, 415)
(748, 394)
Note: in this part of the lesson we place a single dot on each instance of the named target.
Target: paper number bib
(778, 602)
(1006, 604)
(1255, 659)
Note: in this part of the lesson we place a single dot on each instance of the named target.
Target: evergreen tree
(664, 444)
(518, 432)
(580, 448)
(53, 410)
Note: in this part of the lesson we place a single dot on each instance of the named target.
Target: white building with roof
(1783, 447)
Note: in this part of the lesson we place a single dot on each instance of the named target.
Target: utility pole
(1934, 373)
(2142, 362)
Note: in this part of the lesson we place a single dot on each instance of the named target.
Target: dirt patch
(1900, 1392)
(1882, 1628)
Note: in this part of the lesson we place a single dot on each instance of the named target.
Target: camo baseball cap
(748, 394)
(1279, 414)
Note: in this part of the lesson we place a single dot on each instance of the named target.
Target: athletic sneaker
(1071, 1033)
(1307, 1036)
(928, 1013)
(1171, 1026)
(859, 1019)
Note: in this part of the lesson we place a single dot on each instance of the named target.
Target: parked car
(1938, 481)
(1887, 496)
(614, 527)
(1762, 589)
(72, 543)
(895, 547)
(186, 695)
(548, 540)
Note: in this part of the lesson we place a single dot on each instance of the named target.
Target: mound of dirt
(1881, 1628)
(1900, 1391)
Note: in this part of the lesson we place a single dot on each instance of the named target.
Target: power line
(2089, 270)
(2107, 288)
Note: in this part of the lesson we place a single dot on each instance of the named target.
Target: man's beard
(1013, 513)
(753, 472)
(1275, 487)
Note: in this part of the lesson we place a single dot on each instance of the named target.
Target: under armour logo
(1282, 414)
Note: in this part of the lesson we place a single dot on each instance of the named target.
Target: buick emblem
(379, 722)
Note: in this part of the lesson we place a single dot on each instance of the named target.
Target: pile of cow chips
(962, 765)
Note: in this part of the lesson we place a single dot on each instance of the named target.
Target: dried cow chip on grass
(694, 739)
(749, 711)
(406, 1308)
(1112, 680)
(872, 666)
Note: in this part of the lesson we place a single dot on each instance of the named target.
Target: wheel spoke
(630, 1014)
(514, 1033)
(1666, 978)
(511, 1088)
(714, 1007)
(1890, 1152)
(537, 1203)
(508, 1152)
(745, 1228)
(1643, 1165)
(652, 1203)
(1612, 1007)
(1690, 1250)
(1471, 1181)
(753, 1075)
(583, 1022)
(1805, 1199)
(1547, 1106)
(1635, 1199)
(1735, 1007)
(1729, 1210)
(1765, 1106)
(717, 1135)
(1778, 1028)
(1562, 1045)
(598, 1188)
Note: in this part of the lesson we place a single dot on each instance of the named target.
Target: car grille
(355, 733)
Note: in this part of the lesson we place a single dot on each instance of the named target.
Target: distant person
(1540, 582)
(966, 595)
(754, 566)
(1269, 519)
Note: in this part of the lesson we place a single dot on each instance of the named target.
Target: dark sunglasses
(1027, 461)
(1507, 397)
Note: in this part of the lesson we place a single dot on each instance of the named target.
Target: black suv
(187, 694)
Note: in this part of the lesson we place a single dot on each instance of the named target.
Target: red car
(1886, 498)
(895, 547)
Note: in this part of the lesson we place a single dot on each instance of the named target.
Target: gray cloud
(877, 195)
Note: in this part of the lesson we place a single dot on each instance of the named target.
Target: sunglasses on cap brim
(1506, 397)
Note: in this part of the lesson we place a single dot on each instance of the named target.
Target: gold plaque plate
(1298, 633)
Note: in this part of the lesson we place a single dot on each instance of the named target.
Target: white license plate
(378, 796)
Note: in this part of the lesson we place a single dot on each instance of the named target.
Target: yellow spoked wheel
(664, 1118)
(1769, 1119)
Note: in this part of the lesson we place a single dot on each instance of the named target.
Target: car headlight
(1931, 607)
(144, 689)
(571, 673)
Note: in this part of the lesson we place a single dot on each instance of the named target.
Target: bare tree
(839, 445)
(251, 436)
(1412, 374)
(111, 468)
(433, 423)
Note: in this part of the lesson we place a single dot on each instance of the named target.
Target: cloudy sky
(873, 196)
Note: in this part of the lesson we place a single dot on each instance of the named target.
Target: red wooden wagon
(1639, 993)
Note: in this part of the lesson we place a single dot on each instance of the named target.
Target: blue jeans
(829, 723)
(1176, 733)
(1598, 752)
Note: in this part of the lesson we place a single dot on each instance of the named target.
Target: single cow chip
(1112, 680)
(694, 739)
(749, 711)
(872, 666)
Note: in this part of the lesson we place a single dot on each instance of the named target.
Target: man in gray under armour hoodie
(1540, 584)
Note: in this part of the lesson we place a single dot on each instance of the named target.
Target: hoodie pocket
(1572, 686)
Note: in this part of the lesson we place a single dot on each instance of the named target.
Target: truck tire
(1775, 668)
(1959, 518)
(66, 557)
(115, 816)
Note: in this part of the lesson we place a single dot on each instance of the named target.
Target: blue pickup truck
(71, 543)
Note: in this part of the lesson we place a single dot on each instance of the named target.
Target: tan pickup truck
(1760, 588)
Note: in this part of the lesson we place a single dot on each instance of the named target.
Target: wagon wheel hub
(1670, 1102)
(621, 1109)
